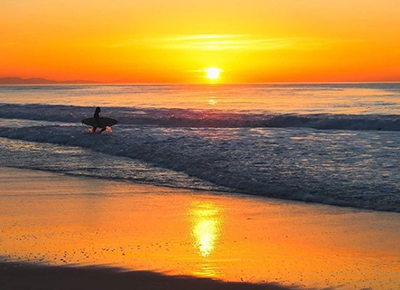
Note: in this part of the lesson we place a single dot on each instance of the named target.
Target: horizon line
(92, 82)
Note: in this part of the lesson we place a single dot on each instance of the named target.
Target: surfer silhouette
(97, 118)
(99, 122)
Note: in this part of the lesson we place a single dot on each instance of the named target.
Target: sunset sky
(176, 41)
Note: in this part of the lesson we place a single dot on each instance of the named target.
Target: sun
(213, 73)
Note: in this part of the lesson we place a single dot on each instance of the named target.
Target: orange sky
(176, 40)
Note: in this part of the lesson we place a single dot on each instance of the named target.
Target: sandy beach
(51, 220)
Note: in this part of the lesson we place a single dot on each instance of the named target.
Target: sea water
(328, 143)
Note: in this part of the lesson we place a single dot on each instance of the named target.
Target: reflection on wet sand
(56, 219)
(206, 218)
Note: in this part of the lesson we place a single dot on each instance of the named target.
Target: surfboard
(103, 122)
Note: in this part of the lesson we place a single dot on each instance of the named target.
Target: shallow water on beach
(56, 219)
(334, 144)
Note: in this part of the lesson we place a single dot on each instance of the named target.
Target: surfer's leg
(94, 129)
(102, 130)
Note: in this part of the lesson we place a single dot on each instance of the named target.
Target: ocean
(335, 144)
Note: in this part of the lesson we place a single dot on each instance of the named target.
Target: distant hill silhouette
(39, 81)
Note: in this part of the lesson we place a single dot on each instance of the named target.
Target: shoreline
(64, 220)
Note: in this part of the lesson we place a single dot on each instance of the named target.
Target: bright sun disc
(213, 73)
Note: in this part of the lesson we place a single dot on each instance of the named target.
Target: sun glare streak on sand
(206, 218)
(63, 220)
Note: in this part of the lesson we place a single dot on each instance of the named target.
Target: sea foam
(341, 167)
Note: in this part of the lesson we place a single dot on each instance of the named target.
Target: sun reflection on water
(212, 101)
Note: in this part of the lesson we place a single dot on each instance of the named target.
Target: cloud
(216, 42)
(229, 42)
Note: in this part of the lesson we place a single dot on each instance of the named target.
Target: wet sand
(50, 220)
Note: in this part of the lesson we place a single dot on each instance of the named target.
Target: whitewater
(334, 144)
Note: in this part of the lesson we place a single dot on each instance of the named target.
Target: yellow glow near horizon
(213, 73)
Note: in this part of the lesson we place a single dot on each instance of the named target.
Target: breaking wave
(202, 118)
